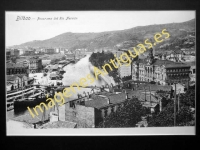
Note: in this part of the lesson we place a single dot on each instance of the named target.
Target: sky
(21, 31)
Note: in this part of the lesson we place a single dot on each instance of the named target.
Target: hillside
(110, 39)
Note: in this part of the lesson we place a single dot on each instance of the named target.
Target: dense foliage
(127, 116)
(185, 115)
(100, 59)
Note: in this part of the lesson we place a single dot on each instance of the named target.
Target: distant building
(124, 70)
(16, 52)
(35, 65)
(57, 50)
(16, 69)
(49, 51)
(29, 52)
(160, 71)
(8, 54)
(188, 51)
(14, 81)
(21, 51)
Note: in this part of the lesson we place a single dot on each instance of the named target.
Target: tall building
(160, 71)
(35, 65)
(124, 70)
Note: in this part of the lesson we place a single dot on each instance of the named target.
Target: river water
(74, 72)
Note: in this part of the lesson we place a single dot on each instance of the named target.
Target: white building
(124, 70)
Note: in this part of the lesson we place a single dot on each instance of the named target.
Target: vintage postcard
(100, 72)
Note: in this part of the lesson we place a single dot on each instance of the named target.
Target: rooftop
(101, 102)
(11, 77)
(154, 87)
(102, 99)
(166, 63)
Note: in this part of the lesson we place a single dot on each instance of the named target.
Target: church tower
(150, 57)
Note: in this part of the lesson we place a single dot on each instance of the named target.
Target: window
(71, 104)
(193, 70)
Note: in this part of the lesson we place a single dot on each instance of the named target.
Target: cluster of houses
(91, 108)
(17, 82)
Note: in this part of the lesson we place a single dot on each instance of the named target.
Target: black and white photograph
(100, 72)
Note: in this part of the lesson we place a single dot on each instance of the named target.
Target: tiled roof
(132, 93)
(117, 98)
(101, 102)
(11, 77)
(10, 65)
(193, 63)
(169, 64)
(141, 97)
(154, 87)
(178, 51)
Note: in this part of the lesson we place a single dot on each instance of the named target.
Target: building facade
(16, 69)
(35, 65)
(160, 71)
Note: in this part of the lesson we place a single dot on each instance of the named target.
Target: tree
(127, 116)
(100, 59)
(184, 116)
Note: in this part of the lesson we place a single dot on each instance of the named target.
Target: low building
(24, 80)
(13, 80)
(53, 76)
(49, 51)
(16, 69)
(89, 110)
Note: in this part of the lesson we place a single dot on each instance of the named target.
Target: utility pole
(179, 101)
(175, 106)
(150, 94)
(145, 93)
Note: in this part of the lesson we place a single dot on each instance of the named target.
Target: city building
(14, 81)
(49, 51)
(35, 64)
(188, 51)
(88, 110)
(16, 52)
(16, 69)
(8, 54)
(124, 70)
(160, 71)
(21, 51)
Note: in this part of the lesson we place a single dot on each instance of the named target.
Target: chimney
(126, 95)
(108, 101)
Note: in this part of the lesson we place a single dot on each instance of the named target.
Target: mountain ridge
(109, 39)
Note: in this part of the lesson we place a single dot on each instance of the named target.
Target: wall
(83, 116)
